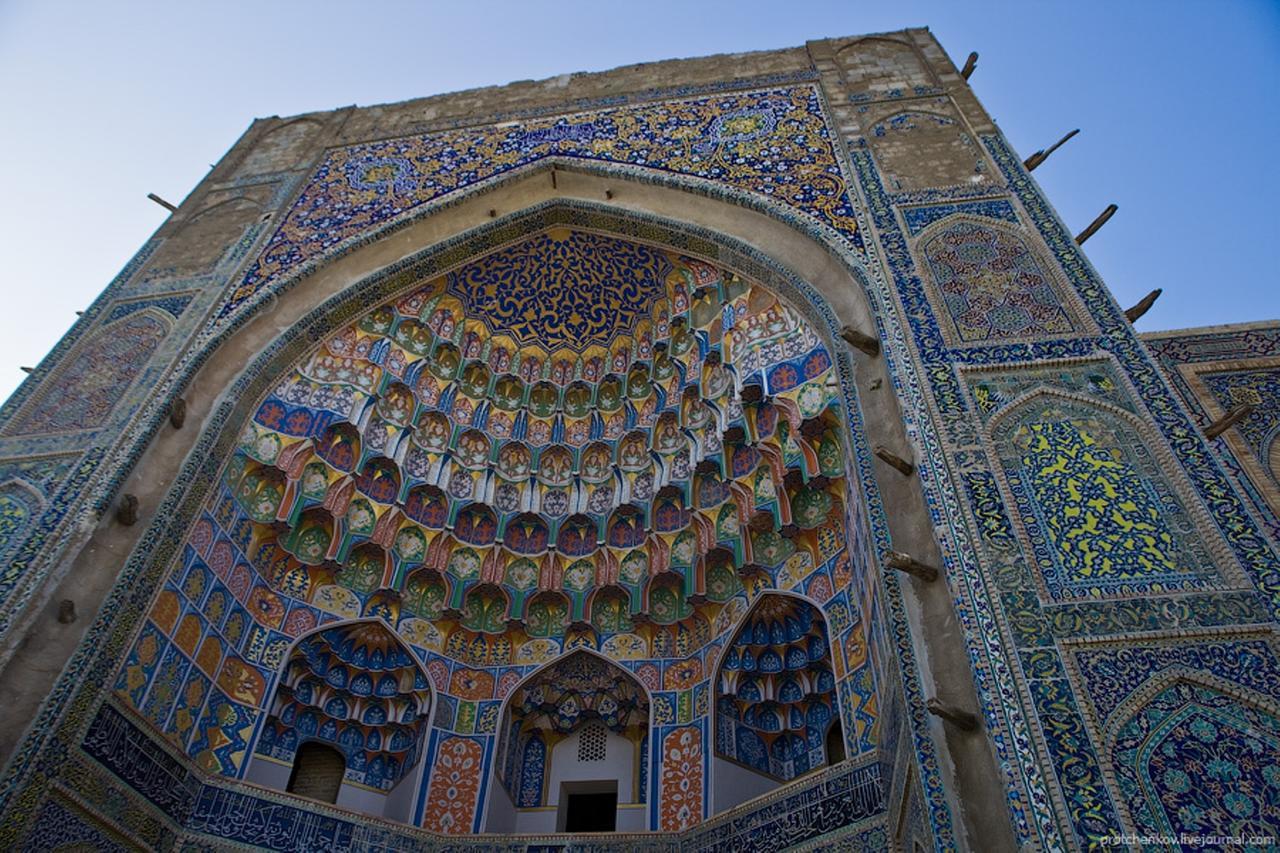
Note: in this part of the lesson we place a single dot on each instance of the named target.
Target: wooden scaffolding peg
(1228, 420)
(127, 511)
(171, 208)
(1043, 154)
(1096, 224)
(178, 412)
(860, 340)
(906, 563)
(958, 717)
(885, 454)
(969, 64)
(1143, 306)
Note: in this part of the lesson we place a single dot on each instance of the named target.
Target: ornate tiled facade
(600, 462)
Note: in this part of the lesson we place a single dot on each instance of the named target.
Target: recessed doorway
(589, 806)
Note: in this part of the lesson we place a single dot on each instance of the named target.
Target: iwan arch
(516, 434)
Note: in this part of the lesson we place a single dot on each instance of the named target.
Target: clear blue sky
(105, 102)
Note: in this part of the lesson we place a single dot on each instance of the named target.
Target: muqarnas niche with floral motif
(500, 480)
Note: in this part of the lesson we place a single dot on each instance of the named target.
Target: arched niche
(880, 65)
(1058, 450)
(577, 726)
(20, 505)
(354, 688)
(776, 713)
(826, 281)
(988, 282)
(85, 388)
(1189, 750)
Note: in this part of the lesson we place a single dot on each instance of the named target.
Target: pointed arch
(826, 331)
(988, 280)
(553, 703)
(775, 698)
(20, 505)
(1057, 451)
(84, 390)
(879, 63)
(1191, 749)
(356, 686)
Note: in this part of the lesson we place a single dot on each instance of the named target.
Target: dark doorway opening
(594, 810)
(317, 772)
(835, 743)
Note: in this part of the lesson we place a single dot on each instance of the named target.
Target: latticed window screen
(591, 744)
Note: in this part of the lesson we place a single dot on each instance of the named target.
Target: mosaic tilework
(358, 689)
(840, 803)
(776, 690)
(681, 782)
(991, 286)
(1014, 611)
(60, 828)
(1201, 366)
(682, 706)
(576, 690)
(131, 755)
(1191, 731)
(918, 218)
(87, 387)
(62, 480)
(569, 289)
(1189, 448)
(220, 565)
(1101, 514)
(454, 792)
(1260, 389)
(774, 142)
(26, 487)
(172, 303)
(210, 642)
(1212, 760)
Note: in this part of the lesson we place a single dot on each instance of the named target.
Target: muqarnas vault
(495, 471)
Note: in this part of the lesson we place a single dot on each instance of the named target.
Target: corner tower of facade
(726, 453)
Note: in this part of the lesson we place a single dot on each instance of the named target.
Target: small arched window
(317, 772)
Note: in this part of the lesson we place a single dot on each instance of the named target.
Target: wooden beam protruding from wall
(1043, 154)
(1143, 306)
(909, 564)
(171, 208)
(178, 412)
(969, 64)
(1096, 224)
(66, 611)
(886, 455)
(1228, 420)
(127, 511)
(958, 717)
(860, 340)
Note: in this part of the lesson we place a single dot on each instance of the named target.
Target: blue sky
(105, 102)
